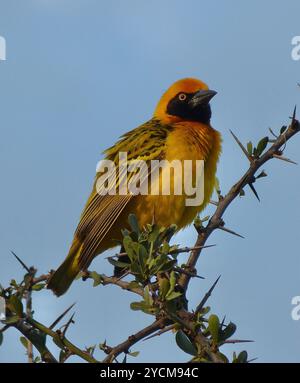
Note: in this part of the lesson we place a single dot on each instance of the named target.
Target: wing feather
(146, 142)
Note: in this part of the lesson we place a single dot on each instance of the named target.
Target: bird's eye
(182, 96)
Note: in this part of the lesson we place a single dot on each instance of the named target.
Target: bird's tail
(63, 277)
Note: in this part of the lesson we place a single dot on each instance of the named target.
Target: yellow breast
(188, 141)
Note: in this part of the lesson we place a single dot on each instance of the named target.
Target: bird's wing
(146, 142)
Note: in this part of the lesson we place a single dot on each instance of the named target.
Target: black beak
(202, 97)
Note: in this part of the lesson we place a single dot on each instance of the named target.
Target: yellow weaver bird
(179, 130)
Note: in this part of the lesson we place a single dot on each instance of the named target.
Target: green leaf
(184, 343)
(38, 286)
(164, 286)
(129, 248)
(223, 357)
(242, 357)
(172, 282)
(37, 359)
(142, 306)
(16, 305)
(164, 266)
(133, 222)
(134, 354)
(142, 256)
(136, 306)
(173, 295)
(134, 285)
(147, 296)
(228, 331)
(97, 278)
(250, 148)
(117, 263)
(198, 222)
(261, 146)
(165, 248)
(213, 327)
(154, 234)
(24, 341)
(11, 320)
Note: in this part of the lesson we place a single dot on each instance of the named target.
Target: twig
(65, 343)
(61, 316)
(164, 330)
(26, 330)
(29, 314)
(116, 281)
(244, 150)
(125, 346)
(216, 219)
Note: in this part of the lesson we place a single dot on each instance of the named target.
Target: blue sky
(78, 74)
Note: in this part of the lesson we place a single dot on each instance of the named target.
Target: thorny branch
(248, 178)
(167, 319)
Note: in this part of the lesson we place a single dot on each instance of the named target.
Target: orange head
(186, 100)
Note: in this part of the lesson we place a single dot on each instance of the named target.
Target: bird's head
(186, 100)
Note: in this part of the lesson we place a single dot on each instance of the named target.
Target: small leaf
(24, 341)
(129, 248)
(135, 306)
(172, 282)
(16, 305)
(173, 295)
(142, 257)
(96, 278)
(250, 148)
(134, 285)
(134, 354)
(154, 234)
(184, 343)
(164, 286)
(11, 320)
(147, 296)
(261, 146)
(228, 331)
(242, 357)
(38, 287)
(223, 357)
(37, 359)
(118, 263)
(213, 327)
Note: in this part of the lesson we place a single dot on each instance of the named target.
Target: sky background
(78, 74)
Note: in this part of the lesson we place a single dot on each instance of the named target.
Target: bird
(180, 129)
